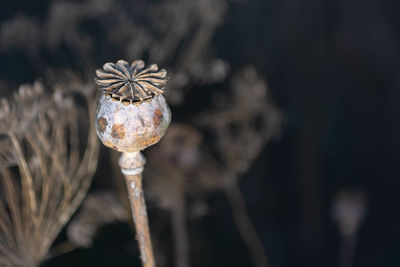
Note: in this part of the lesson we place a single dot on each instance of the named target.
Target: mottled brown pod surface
(130, 128)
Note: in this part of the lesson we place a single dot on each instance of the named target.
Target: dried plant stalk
(179, 227)
(245, 227)
(139, 213)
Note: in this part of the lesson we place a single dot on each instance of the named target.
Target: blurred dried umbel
(50, 174)
(242, 129)
(177, 158)
(348, 211)
(11, 34)
(99, 208)
(174, 33)
(185, 166)
(244, 124)
(19, 115)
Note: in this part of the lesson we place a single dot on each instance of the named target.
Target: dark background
(333, 70)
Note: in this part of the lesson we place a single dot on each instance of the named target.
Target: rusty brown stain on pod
(157, 117)
(118, 131)
(102, 124)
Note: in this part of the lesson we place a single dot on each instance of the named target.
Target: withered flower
(99, 208)
(131, 82)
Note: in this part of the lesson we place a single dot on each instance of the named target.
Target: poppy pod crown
(131, 82)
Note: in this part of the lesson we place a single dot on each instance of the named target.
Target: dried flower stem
(131, 164)
(348, 247)
(244, 225)
(180, 230)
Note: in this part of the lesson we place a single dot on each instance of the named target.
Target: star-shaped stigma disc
(131, 82)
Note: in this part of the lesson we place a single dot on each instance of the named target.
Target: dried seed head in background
(18, 115)
(349, 210)
(174, 33)
(51, 173)
(176, 158)
(133, 82)
(99, 208)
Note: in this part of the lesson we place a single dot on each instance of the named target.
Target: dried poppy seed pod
(131, 127)
(131, 113)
